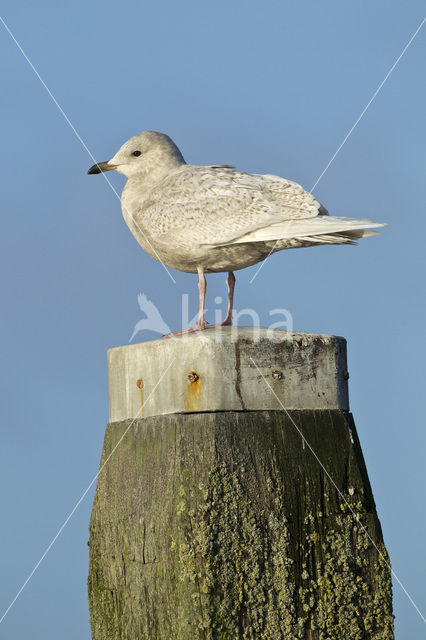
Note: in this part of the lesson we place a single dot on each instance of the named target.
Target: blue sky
(270, 87)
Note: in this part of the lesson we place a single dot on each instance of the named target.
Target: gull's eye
(136, 153)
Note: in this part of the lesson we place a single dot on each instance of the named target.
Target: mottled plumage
(213, 218)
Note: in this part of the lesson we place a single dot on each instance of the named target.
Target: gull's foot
(200, 327)
(197, 327)
(226, 323)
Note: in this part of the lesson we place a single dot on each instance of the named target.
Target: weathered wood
(225, 526)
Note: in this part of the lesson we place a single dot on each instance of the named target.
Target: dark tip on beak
(94, 169)
(100, 168)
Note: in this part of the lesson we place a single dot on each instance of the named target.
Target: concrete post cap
(228, 369)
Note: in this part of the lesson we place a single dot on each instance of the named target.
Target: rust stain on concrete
(139, 384)
(193, 390)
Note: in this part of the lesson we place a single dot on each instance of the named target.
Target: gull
(208, 219)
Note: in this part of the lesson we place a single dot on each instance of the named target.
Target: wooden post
(213, 518)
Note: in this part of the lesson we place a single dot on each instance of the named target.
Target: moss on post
(224, 526)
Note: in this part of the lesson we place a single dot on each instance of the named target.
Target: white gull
(205, 219)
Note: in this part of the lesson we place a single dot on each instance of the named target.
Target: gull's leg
(230, 283)
(202, 287)
(201, 322)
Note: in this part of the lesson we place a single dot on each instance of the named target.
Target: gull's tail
(322, 229)
(343, 237)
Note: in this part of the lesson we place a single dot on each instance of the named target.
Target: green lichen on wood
(349, 593)
(223, 527)
(104, 616)
(238, 562)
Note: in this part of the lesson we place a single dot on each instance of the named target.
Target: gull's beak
(100, 167)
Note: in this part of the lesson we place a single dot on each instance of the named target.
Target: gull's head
(147, 152)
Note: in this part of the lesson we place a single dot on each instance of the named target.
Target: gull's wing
(311, 230)
(216, 205)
